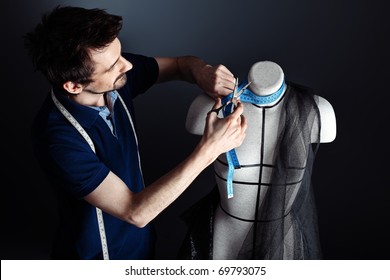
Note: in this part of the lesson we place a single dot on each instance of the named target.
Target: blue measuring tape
(249, 97)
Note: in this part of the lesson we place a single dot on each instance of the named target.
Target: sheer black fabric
(198, 242)
(286, 223)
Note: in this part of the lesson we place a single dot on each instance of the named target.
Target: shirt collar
(85, 115)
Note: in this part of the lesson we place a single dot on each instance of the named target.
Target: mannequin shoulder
(197, 113)
(328, 120)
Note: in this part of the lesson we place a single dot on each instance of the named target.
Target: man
(85, 139)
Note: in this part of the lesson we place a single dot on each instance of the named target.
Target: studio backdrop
(337, 47)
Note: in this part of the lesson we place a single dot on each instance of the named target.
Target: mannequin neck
(266, 76)
(267, 79)
(270, 99)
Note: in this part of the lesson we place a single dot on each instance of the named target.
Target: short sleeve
(70, 158)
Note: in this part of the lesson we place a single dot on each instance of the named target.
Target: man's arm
(113, 196)
(216, 80)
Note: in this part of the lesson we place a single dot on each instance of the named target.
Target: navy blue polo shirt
(74, 170)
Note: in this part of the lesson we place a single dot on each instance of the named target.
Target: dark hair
(60, 44)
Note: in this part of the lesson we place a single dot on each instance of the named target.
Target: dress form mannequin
(256, 208)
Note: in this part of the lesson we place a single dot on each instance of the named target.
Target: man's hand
(216, 81)
(222, 135)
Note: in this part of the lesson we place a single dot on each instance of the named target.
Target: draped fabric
(286, 222)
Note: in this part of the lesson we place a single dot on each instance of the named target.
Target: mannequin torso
(235, 217)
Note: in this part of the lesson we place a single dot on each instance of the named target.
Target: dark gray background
(338, 47)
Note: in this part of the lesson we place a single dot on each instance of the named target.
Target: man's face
(110, 69)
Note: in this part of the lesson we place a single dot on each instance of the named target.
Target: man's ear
(73, 88)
